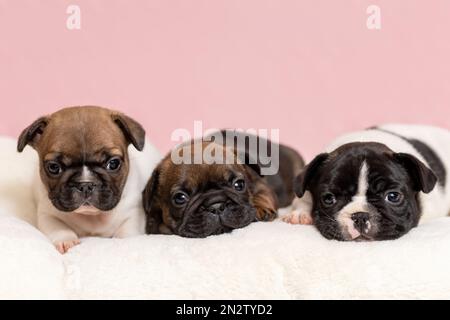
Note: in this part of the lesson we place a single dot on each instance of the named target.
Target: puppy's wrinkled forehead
(343, 168)
(86, 132)
(195, 177)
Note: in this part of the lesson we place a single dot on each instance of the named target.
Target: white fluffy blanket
(263, 261)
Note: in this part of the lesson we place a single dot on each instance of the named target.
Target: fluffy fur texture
(261, 261)
(274, 260)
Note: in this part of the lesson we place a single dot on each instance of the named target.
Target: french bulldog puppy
(201, 199)
(376, 184)
(89, 180)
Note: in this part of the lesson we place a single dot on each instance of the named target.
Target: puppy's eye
(113, 164)
(239, 185)
(328, 199)
(53, 168)
(394, 197)
(180, 198)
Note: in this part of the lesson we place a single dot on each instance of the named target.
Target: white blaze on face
(86, 175)
(358, 204)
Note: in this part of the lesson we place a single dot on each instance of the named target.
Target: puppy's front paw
(64, 246)
(298, 217)
(266, 214)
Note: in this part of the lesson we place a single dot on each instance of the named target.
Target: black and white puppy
(375, 184)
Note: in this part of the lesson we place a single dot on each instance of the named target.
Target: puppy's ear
(152, 210)
(132, 130)
(425, 180)
(303, 180)
(31, 134)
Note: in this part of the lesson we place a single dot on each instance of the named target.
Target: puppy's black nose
(361, 221)
(86, 187)
(217, 208)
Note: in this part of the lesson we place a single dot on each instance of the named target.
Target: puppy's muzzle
(215, 212)
(217, 208)
(361, 221)
(217, 203)
(86, 188)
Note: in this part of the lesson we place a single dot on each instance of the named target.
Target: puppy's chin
(381, 231)
(338, 234)
(88, 210)
(201, 224)
(82, 208)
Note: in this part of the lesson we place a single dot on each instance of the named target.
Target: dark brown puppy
(199, 200)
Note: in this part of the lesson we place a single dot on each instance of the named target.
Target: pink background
(310, 68)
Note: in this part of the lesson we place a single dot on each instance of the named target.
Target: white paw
(297, 217)
(64, 246)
